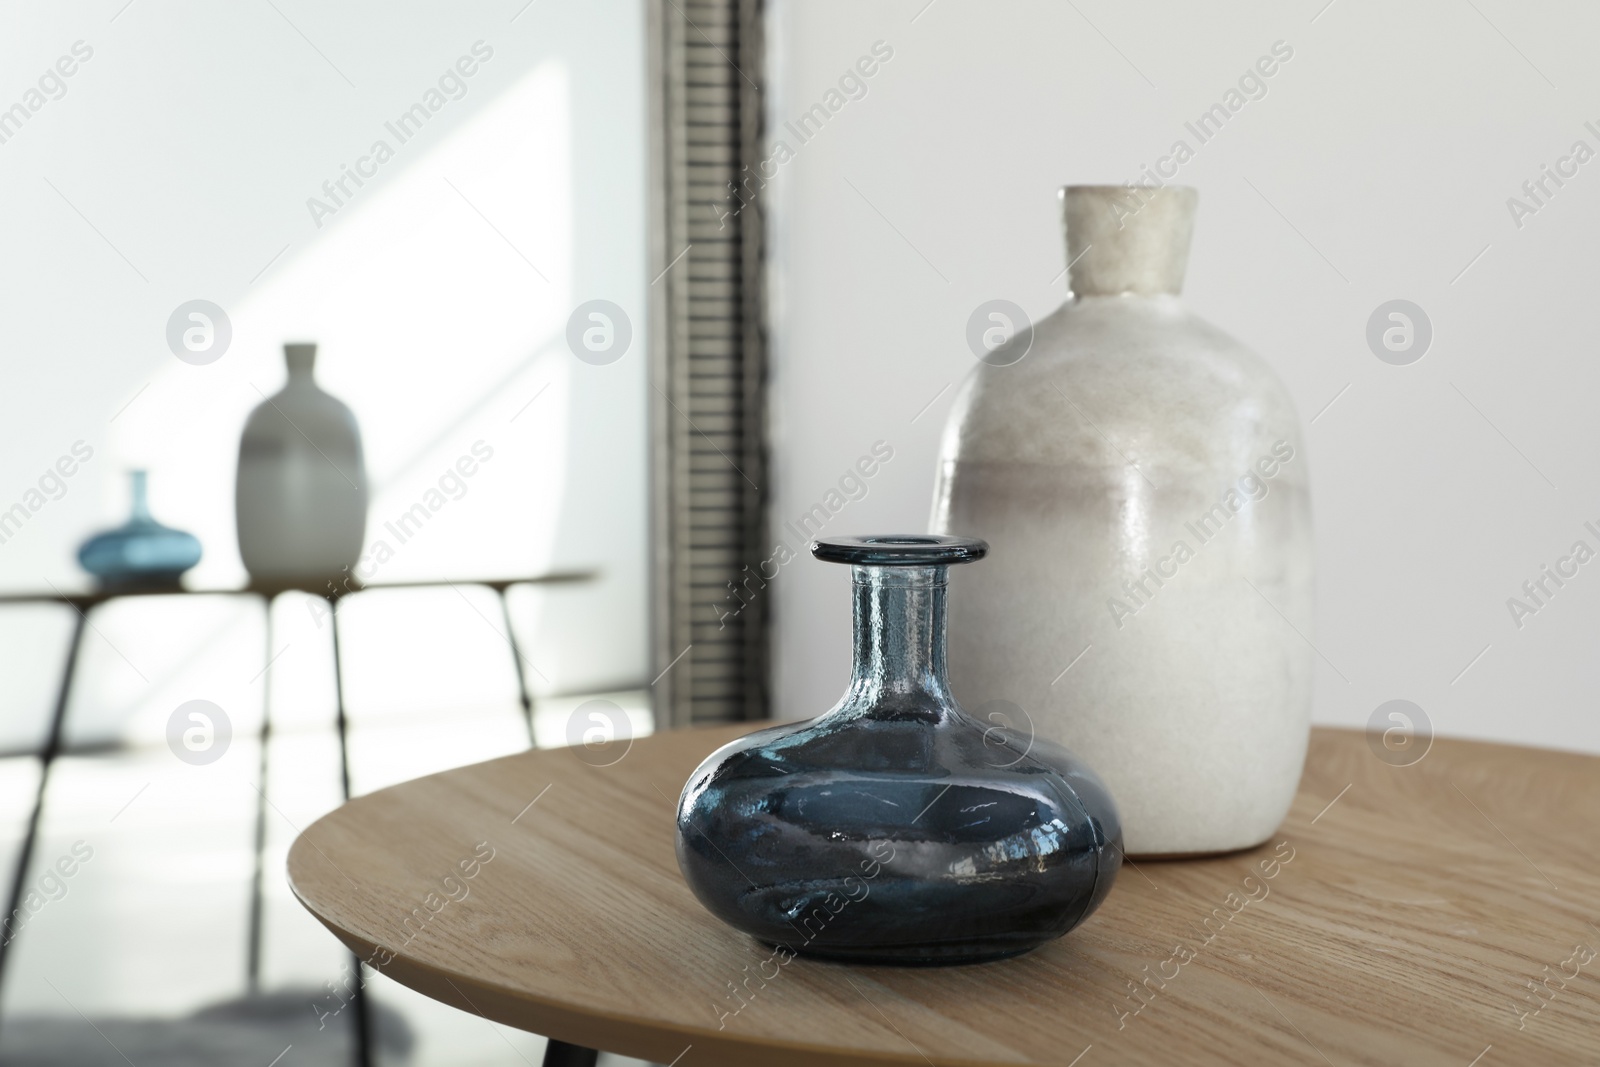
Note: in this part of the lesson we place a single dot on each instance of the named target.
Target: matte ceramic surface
(896, 828)
(301, 497)
(1143, 481)
(140, 552)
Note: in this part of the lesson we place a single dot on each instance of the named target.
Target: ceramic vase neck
(301, 359)
(899, 639)
(1124, 240)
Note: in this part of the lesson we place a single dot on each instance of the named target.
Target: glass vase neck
(899, 642)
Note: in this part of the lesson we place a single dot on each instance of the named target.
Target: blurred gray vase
(1143, 480)
(301, 496)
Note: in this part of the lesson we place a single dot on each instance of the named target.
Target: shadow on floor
(248, 1030)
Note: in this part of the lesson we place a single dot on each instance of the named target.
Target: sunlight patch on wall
(439, 302)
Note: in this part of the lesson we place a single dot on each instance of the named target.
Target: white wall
(1387, 147)
(178, 163)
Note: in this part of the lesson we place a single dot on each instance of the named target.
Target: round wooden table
(1439, 913)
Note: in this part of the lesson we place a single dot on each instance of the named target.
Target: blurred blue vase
(140, 552)
(896, 828)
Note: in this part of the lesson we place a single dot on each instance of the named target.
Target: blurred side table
(83, 603)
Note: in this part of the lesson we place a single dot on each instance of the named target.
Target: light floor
(156, 924)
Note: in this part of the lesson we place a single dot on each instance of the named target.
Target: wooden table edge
(592, 1028)
(620, 1034)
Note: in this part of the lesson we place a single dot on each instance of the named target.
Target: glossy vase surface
(897, 828)
(1143, 480)
(141, 552)
(301, 495)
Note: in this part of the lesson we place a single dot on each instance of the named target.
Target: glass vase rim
(899, 550)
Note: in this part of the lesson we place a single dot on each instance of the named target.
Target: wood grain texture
(1402, 923)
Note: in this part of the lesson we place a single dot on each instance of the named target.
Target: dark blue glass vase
(896, 828)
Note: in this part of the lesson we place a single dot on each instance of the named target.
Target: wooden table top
(1442, 913)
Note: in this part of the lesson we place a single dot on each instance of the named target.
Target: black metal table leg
(516, 661)
(561, 1054)
(52, 747)
(366, 1036)
(257, 883)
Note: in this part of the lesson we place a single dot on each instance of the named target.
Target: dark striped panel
(710, 507)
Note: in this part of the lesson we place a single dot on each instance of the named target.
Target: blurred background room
(176, 164)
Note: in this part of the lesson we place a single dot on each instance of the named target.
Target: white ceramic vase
(1142, 480)
(301, 496)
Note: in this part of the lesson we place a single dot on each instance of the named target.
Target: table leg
(366, 1038)
(561, 1054)
(516, 662)
(52, 748)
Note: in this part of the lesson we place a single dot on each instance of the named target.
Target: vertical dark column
(709, 365)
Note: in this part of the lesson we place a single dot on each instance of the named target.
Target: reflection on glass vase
(897, 828)
(301, 496)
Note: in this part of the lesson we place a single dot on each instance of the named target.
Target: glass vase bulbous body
(897, 828)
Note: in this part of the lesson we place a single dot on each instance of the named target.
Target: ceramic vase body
(1143, 481)
(301, 495)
